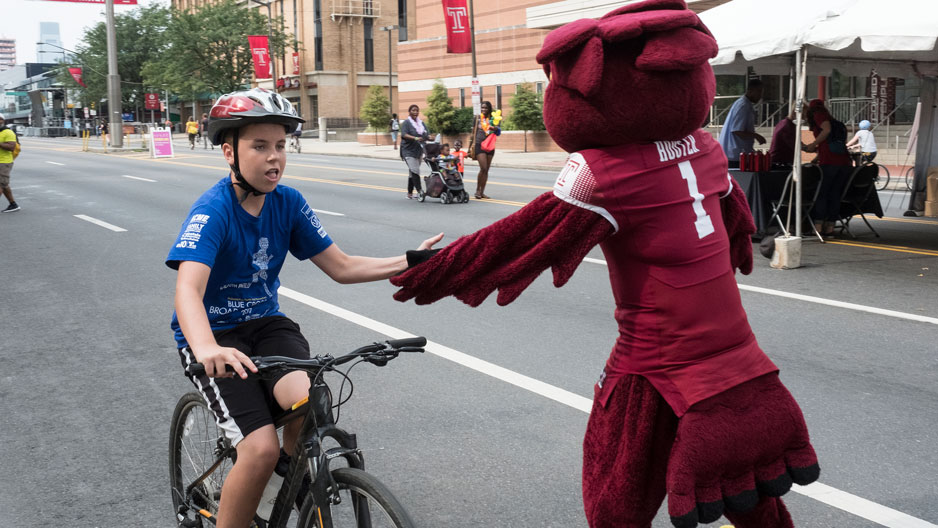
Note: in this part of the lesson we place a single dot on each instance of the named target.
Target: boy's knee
(262, 453)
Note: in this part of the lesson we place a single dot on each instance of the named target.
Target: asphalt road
(90, 374)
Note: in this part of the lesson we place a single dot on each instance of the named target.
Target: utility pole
(476, 90)
(389, 29)
(113, 82)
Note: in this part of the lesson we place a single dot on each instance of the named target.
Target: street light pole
(389, 29)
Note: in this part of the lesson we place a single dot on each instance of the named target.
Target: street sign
(94, 112)
(21, 94)
(86, 112)
(476, 97)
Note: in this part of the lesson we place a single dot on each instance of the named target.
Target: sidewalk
(512, 159)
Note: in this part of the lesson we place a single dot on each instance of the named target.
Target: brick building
(343, 51)
(508, 37)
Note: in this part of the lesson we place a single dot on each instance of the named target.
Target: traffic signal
(92, 104)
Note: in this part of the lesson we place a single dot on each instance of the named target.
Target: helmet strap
(236, 168)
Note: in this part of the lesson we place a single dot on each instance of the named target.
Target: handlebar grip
(408, 342)
(198, 369)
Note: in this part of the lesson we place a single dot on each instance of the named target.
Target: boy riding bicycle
(228, 254)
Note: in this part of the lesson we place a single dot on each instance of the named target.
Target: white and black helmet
(238, 109)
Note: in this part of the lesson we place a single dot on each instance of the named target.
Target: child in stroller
(444, 181)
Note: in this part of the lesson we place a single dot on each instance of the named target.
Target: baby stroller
(445, 185)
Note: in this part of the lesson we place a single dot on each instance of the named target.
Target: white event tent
(813, 37)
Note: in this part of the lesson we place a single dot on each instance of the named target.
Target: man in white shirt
(739, 129)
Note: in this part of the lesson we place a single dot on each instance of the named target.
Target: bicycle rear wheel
(366, 503)
(195, 444)
(910, 178)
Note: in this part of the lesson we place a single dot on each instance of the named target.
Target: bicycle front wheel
(366, 503)
(195, 445)
(882, 178)
(910, 178)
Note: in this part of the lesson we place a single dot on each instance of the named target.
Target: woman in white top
(864, 142)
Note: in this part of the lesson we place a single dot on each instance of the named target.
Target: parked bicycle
(200, 455)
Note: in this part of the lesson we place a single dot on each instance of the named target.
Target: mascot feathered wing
(688, 405)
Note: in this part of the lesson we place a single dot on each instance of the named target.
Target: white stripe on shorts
(211, 394)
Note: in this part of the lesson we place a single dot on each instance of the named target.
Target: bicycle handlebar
(376, 353)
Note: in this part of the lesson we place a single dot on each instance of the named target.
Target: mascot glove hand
(497, 131)
(732, 448)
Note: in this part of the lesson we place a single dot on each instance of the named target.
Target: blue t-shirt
(741, 117)
(245, 252)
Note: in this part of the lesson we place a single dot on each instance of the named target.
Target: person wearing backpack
(9, 149)
(830, 143)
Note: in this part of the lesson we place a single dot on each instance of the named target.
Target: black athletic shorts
(243, 406)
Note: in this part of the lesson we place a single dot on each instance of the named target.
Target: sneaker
(12, 208)
(410, 196)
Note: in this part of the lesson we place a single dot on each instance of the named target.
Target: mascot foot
(736, 450)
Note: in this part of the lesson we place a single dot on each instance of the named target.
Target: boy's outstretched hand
(424, 252)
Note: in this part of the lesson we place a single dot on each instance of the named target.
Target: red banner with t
(456, 14)
(76, 74)
(261, 55)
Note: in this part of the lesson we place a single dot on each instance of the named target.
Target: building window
(402, 20)
(317, 34)
(498, 97)
(462, 97)
(369, 44)
(539, 87)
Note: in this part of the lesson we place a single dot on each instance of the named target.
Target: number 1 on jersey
(703, 223)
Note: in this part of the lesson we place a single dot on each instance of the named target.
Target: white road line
(821, 300)
(100, 223)
(321, 211)
(138, 178)
(842, 500)
(55, 163)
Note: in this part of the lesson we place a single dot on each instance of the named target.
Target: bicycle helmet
(864, 125)
(238, 109)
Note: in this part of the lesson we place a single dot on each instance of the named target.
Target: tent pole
(801, 59)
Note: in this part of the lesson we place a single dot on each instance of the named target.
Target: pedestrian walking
(103, 127)
(192, 128)
(204, 131)
(413, 134)
(395, 127)
(483, 127)
(8, 143)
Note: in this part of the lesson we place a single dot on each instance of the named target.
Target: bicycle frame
(309, 453)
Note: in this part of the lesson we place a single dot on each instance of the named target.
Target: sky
(22, 21)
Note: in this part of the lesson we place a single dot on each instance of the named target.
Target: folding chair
(810, 187)
(857, 191)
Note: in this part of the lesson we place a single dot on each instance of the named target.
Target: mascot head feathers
(638, 74)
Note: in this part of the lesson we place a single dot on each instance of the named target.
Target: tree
(139, 38)
(207, 49)
(376, 109)
(440, 112)
(462, 120)
(527, 111)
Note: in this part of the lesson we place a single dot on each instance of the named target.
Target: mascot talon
(688, 407)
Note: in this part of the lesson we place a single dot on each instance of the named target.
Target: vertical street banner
(151, 101)
(296, 63)
(76, 74)
(456, 15)
(261, 55)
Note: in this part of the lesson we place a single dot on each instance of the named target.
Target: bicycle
(200, 455)
(295, 144)
(881, 180)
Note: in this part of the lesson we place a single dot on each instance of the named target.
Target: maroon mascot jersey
(676, 298)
